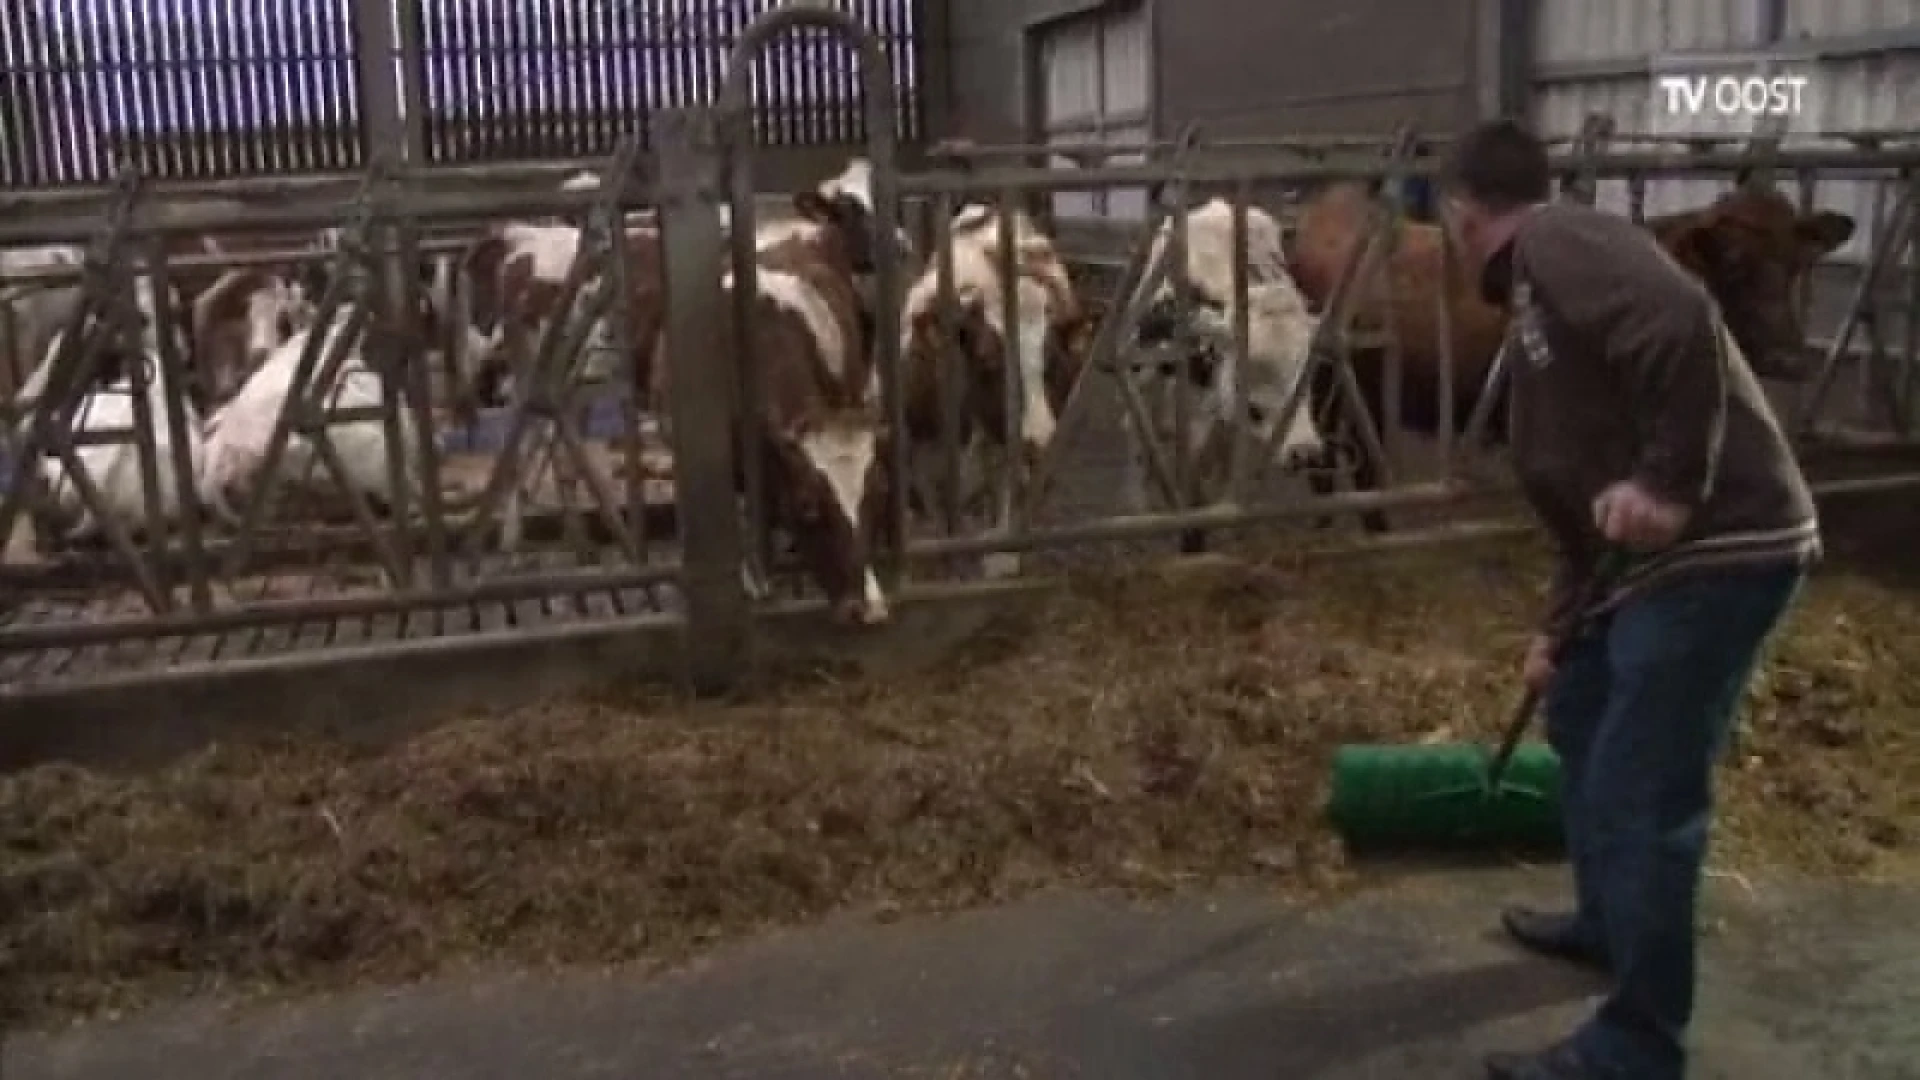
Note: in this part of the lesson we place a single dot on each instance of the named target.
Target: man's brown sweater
(1622, 368)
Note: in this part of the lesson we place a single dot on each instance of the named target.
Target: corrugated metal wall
(1592, 56)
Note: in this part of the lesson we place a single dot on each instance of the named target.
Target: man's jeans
(1639, 710)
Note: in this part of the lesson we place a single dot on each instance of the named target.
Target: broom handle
(1510, 742)
(1610, 567)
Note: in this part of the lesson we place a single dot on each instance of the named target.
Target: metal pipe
(1610, 163)
(1201, 519)
(951, 365)
(92, 632)
(77, 224)
(268, 188)
(1240, 363)
(56, 276)
(1013, 379)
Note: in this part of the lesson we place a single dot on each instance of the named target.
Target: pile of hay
(1144, 730)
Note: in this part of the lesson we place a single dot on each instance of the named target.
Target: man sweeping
(1637, 428)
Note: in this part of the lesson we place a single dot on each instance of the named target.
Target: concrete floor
(1403, 982)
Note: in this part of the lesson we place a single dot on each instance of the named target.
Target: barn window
(1097, 88)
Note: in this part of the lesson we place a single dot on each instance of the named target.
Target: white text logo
(1746, 97)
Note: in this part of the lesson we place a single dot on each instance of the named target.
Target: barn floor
(1405, 982)
(1150, 730)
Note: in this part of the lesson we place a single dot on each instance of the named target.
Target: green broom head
(1438, 796)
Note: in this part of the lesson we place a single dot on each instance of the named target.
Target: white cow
(115, 467)
(1280, 332)
(238, 433)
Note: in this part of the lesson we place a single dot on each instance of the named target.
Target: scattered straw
(1148, 730)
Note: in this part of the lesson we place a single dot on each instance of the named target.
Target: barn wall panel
(1592, 56)
(1247, 68)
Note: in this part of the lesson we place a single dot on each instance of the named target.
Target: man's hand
(1628, 515)
(1536, 671)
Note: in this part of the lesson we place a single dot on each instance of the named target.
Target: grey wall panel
(1274, 67)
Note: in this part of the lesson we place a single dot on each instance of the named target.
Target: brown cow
(516, 277)
(823, 440)
(1053, 337)
(1751, 248)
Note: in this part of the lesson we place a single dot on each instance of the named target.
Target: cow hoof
(999, 565)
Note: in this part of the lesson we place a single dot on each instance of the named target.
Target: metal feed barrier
(431, 571)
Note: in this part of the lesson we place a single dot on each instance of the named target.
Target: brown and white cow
(1280, 329)
(1751, 248)
(1051, 338)
(822, 437)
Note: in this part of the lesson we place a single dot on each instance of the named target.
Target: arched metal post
(719, 621)
(735, 108)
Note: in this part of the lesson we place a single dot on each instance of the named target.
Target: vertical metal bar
(1809, 180)
(1910, 347)
(173, 369)
(1013, 378)
(1182, 284)
(1240, 364)
(952, 366)
(1394, 389)
(1868, 370)
(719, 619)
(747, 367)
(627, 348)
(146, 447)
(1444, 314)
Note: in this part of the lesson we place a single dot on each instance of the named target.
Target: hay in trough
(1152, 729)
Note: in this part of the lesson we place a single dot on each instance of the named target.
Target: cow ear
(1824, 232)
(812, 206)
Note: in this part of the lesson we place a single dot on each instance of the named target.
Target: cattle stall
(1190, 381)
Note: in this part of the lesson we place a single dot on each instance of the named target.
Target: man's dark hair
(1500, 165)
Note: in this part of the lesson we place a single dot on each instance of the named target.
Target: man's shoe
(1558, 1062)
(1554, 934)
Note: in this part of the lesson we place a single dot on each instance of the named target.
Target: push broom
(1453, 794)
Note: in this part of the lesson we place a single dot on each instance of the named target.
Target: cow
(823, 441)
(239, 432)
(1052, 337)
(39, 310)
(845, 202)
(1280, 338)
(115, 468)
(237, 322)
(516, 275)
(1751, 248)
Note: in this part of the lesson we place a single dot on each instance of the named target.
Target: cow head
(1752, 248)
(1166, 323)
(239, 322)
(830, 483)
(845, 202)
